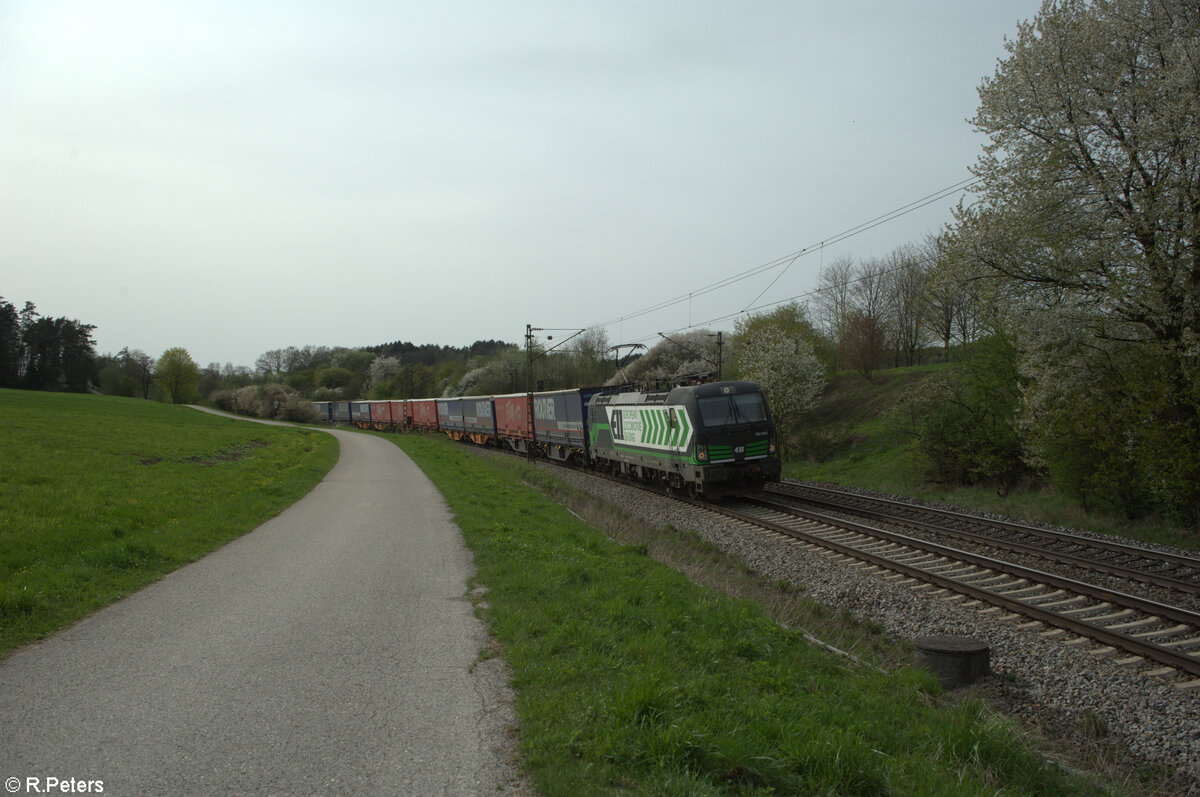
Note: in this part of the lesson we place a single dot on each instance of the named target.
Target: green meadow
(100, 496)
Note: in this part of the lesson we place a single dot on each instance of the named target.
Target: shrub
(298, 410)
(272, 398)
(224, 400)
(965, 422)
(245, 401)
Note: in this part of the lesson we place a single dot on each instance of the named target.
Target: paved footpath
(332, 650)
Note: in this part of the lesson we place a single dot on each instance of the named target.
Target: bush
(272, 398)
(245, 401)
(965, 422)
(267, 401)
(223, 400)
(298, 410)
(1116, 432)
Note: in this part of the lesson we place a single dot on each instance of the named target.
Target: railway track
(1172, 572)
(1163, 639)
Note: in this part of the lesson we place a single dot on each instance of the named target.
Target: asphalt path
(332, 650)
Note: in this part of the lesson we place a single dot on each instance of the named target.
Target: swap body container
(450, 417)
(479, 419)
(512, 416)
(422, 414)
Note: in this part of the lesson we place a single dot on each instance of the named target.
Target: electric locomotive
(711, 440)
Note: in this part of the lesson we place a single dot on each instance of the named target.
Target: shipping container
(558, 422)
(513, 418)
(360, 412)
(450, 417)
(341, 412)
(422, 414)
(479, 421)
(387, 413)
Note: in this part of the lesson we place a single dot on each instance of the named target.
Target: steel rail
(1191, 587)
(1173, 559)
(1179, 661)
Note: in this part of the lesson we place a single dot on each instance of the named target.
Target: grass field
(100, 496)
(631, 678)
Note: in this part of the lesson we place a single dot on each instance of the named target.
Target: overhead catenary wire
(786, 262)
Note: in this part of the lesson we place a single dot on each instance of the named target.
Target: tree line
(42, 353)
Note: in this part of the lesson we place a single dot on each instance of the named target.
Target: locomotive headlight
(702, 453)
(771, 446)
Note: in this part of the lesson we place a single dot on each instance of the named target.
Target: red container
(512, 417)
(422, 414)
(395, 412)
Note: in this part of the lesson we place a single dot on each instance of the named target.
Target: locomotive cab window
(718, 411)
(749, 407)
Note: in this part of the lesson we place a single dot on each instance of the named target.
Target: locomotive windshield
(717, 411)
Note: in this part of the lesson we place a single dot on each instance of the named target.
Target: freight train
(710, 440)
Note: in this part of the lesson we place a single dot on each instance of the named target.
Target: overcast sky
(233, 177)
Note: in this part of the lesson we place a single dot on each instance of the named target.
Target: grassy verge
(632, 678)
(104, 495)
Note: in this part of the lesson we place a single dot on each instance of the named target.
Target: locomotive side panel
(643, 437)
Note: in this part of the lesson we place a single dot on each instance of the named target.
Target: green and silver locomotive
(710, 439)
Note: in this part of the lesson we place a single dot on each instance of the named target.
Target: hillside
(853, 438)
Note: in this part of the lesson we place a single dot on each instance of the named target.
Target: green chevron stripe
(656, 428)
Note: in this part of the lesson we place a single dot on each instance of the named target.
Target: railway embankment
(1082, 705)
(720, 672)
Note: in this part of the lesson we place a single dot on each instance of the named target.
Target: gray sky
(233, 177)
